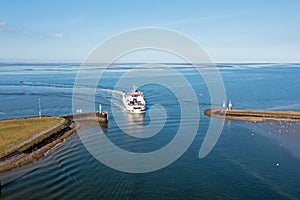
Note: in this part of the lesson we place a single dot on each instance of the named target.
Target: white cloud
(57, 35)
(196, 20)
(22, 31)
(5, 28)
(2, 24)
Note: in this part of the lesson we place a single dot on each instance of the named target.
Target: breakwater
(253, 115)
(36, 148)
(40, 143)
(102, 117)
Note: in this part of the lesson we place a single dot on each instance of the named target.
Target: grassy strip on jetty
(15, 133)
(25, 140)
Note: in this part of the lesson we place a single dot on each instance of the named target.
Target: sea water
(249, 160)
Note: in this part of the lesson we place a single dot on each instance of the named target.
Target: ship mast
(40, 110)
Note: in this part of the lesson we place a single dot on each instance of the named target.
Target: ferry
(134, 101)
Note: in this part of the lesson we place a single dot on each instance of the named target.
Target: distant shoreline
(139, 63)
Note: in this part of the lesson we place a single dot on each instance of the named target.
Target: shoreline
(28, 158)
(33, 137)
(42, 142)
(32, 151)
(253, 115)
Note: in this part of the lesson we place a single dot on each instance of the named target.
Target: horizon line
(130, 62)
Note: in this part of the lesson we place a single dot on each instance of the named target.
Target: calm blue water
(249, 161)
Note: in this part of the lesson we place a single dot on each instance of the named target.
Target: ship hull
(135, 108)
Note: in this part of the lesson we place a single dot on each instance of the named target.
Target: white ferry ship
(134, 101)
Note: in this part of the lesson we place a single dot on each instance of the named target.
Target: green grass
(15, 131)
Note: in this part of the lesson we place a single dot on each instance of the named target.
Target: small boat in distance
(134, 101)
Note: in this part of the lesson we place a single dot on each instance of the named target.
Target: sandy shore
(253, 115)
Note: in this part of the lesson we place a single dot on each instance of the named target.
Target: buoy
(277, 164)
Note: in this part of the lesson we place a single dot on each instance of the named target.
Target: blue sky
(230, 31)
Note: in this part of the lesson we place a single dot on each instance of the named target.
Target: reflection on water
(242, 165)
(137, 118)
(285, 133)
